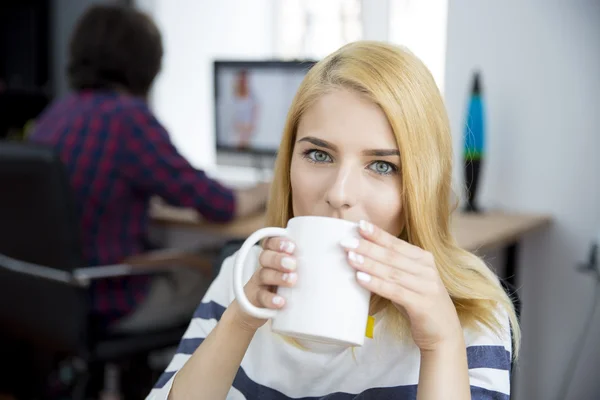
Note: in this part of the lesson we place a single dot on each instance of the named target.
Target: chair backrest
(38, 225)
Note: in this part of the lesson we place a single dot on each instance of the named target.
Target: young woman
(366, 139)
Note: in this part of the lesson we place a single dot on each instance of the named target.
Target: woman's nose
(342, 194)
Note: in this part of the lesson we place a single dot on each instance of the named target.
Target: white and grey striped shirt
(383, 368)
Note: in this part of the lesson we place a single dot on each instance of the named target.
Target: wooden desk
(473, 232)
(168, 216)
(497, 230)
(171, 257)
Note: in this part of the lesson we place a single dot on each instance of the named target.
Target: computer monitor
(252, 99)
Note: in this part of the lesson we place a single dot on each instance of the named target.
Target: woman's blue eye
(319, 156)
(379, 167)
(382, 168)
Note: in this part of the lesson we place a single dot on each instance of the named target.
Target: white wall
(541, 72)
(194, 34)
(375, 19)
(421, 26)
(64, 15)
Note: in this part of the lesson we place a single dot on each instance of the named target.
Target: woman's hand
(278, 268)
(406, 275)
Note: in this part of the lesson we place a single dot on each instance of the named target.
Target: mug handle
(238, 272)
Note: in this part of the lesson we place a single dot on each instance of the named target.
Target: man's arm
(249, 201)
(153, 165)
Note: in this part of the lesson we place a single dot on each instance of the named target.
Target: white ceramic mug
(326, 304)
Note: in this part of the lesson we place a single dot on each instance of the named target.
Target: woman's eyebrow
(371, 152)
(382, 152)
(318, 142)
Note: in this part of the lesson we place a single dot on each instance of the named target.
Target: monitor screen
(252, 99)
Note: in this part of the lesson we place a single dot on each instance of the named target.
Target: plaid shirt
(118, 156)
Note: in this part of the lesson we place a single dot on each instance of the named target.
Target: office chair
(42, 275)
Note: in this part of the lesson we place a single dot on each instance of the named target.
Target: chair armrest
(79, 277)
(153, 262)
(87, 274)
(36, 270)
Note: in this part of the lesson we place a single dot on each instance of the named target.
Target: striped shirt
(383, 368)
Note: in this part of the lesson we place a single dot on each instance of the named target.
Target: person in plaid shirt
(118, 156)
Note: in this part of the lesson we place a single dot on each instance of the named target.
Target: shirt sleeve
(153, 165)
(207, 315)
(489, 357)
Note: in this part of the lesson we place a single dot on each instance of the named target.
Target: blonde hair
(402, 86)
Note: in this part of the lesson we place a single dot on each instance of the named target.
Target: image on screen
(251, 102)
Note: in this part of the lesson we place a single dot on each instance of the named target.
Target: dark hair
(114, 47)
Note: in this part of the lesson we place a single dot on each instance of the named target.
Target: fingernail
(350, 243)
(363, 276)
(366, 226)
(288, 263)
(357, 258)
(286, 246)
(290, 278)
(290, 247)
(277, 300)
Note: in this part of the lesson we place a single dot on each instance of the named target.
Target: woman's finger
(383, 238)
(389, 274)
(279, 244)
(276, 260)
(270, 300)
(388, 290)
(384, 256)
(271, 277)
